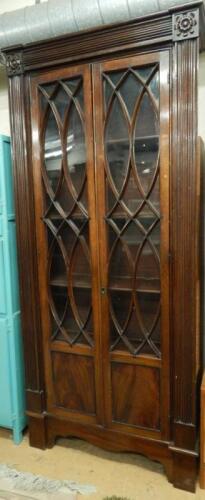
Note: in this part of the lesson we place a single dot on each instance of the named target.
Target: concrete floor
(132, 476)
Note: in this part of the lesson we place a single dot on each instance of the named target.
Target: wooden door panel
(131, 103)
(127, 382)
(73, 375)
(65, 220)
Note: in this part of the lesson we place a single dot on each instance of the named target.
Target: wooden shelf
(77, 283)
(72, 217)
(120, 216)
(138, 290)
(61, 282)
(123, 216)
(123, 284)
(137, 139)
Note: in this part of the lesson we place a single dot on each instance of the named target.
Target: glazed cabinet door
(131, 107)
(63, 170)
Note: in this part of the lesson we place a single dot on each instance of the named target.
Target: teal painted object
(12, 394)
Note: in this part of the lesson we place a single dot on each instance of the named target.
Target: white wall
(4, 113)
(6, 5)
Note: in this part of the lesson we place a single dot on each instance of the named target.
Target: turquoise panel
(2, 176)
(19, 372)
(13, 265)
(3, 308)
(5, 380)
(1, 186)
(12, 386)
(8, 179)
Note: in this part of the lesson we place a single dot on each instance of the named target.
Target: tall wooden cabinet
(107, 178)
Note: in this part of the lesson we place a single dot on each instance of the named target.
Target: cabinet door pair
(101, 174)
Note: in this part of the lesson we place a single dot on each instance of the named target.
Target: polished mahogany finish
(107, 182)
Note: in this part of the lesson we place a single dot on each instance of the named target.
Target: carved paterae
(185, 25)
(14, 64)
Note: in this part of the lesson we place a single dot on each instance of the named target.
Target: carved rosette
(14, 64)
(185, 25)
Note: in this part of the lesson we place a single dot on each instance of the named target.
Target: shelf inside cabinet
(118, 215)
(139, 216)
(120, 284)
(62, 218)
(143, 139)
(138, 290)
(77, 282)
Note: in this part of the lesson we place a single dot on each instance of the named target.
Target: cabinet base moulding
(45, 429)
(202, 436)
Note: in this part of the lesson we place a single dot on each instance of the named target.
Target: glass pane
(110, 84)
(62, 101)
(146, 156)
(116, 76)
(80, 266)
(58, 273)
(65, 198)
(146, 143)
(154, 197)
(52, 213)
(130, 91)
(148, 304)
(58, 308)
(76, 151)
(120, 273)
(133, 212)
(148, 271)
(73, 84)
(79, 96)
(144, 73)
(132, 196)
(121, 303)
(65, 217)
(155, 238)
(147, 220)
(154, 86)
(50, 89)
(132, 239)
(117, 145)
(83, 303)
(75, 88)
(110, 197)
(117, 125)
(70, 320)
(147, 124)
(108, 92)
(129, 322)
(53, 151)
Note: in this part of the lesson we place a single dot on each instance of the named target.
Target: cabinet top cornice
(166, 27)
